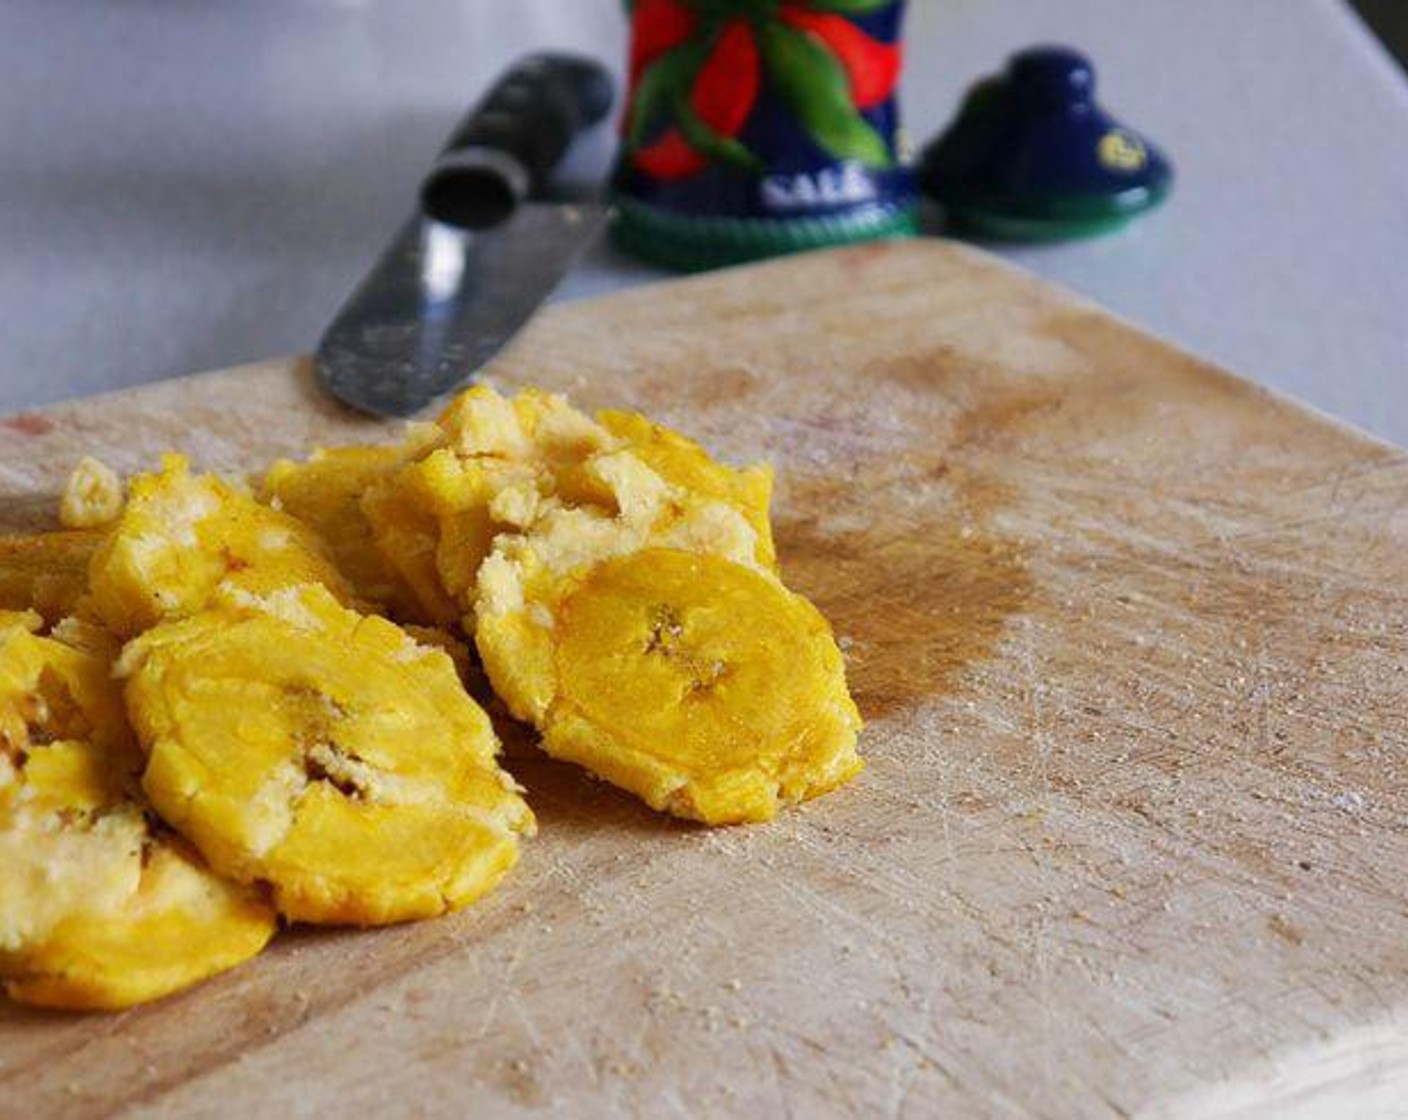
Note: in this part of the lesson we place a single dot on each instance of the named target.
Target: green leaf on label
(817, 90)
(849, 7)
(712, 144)
(661, 83)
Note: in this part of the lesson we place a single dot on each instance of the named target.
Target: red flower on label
(656, 27)
(722, 96)
(697, 71)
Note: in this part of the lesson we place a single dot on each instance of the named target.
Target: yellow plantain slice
(506, 462)
(532, 426)
(182, 536)
(777, 728)
(400, 511)
(699, 684)
(99, 907)
(435, 518)
(326, 492)
(11, 620)
(182, 925)
(46, 572)
(326, 753)
(530, 570)
(92, 496)
(684, 464)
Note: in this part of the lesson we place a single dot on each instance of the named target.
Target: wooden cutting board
(1132, 640)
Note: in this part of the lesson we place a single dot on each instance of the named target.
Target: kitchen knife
(483, 250)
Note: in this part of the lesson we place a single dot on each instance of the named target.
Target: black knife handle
(505, 150)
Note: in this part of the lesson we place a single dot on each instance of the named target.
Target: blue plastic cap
(1052, 76)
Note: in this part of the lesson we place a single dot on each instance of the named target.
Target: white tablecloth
(192, 185)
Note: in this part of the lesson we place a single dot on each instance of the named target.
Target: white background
(187, 184)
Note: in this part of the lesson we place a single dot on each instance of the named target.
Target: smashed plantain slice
(99, 907)
(529, 571)
(400, 509)
(326, 491)
(326, 753)
(685, 465)
(46, 572)
(181, 536)
(500, 463)
(435, 519)
(645, 521)
(92, 496)
(697, 683)
(181, 925)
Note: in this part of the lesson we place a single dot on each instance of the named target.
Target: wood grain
(1132, 638)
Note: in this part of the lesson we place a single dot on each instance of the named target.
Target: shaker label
(842, 185)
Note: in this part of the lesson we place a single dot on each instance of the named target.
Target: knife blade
(483, 250)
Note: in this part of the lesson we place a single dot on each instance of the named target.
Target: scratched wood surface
(1132, 640)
